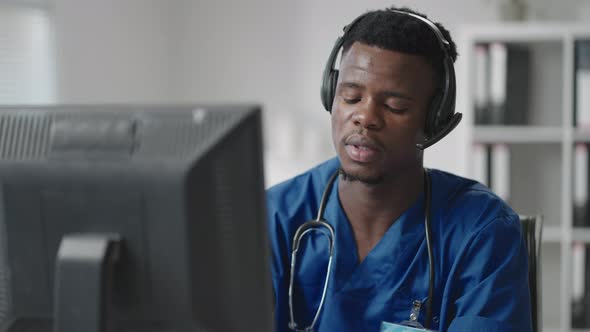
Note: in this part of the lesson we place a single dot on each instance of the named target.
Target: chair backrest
(532, 230)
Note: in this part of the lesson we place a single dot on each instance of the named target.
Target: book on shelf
(580, 282)
(580, 185)
(517, 85)
(481, 83)
(582, 84)
(481, 163)
(498, 78)
(579, 285)
(500, 170)
(502, 75)
(491, 167)
(586, 299)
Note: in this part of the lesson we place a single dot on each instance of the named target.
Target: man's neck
(372, 208)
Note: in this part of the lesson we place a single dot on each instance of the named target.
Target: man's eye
(395, 110)
(351, 100)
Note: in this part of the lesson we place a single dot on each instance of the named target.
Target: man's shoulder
(468, 204)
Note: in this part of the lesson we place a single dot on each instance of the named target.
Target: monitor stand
(84, 281)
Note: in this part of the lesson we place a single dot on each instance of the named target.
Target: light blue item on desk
(411, 325)
(390, 327)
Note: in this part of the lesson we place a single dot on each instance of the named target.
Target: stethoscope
(323, 227)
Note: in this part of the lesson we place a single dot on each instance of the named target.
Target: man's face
(379, 111)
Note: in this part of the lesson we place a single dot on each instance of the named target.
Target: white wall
(115, 51)
(27, 71)
(266, 51)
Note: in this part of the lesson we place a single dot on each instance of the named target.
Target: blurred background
(182, 51)
(272, 52)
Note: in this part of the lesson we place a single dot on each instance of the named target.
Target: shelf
(517, 134)
(516, 32)
(525, 32)
(554, 234)
(582, 135)
(541, 146)
(551, 234)
(581, 234)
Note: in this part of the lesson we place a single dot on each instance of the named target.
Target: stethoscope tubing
(428, 235)
(292, 323)
(313, 225)
(321, 225)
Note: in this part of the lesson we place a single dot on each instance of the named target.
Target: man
(392, 74)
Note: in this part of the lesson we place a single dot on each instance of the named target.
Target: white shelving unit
(541, 151)
(552, 234)
(517, 134)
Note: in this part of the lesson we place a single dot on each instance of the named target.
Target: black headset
(441, 118)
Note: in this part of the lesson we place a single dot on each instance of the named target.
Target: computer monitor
(133, 219)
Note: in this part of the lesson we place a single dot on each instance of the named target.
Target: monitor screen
(133, 219)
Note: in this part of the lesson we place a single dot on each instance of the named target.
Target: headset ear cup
(332, 89)
(449, 103)
(431, 123)
(330, 76)
(326, 86)
(442, 107)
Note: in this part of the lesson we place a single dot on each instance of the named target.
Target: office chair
(532, 228)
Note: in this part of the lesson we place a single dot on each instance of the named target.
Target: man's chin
(352, 176)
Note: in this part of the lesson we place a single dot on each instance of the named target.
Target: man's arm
(492, 292)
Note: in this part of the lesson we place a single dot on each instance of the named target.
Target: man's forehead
(386, 70)
(372, 58)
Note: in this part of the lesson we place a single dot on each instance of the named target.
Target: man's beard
(366, 180)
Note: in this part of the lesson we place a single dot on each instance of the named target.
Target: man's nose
(368, 115)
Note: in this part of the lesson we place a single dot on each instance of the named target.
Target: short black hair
(393, 31)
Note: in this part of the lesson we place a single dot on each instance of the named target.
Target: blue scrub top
(481, 281)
